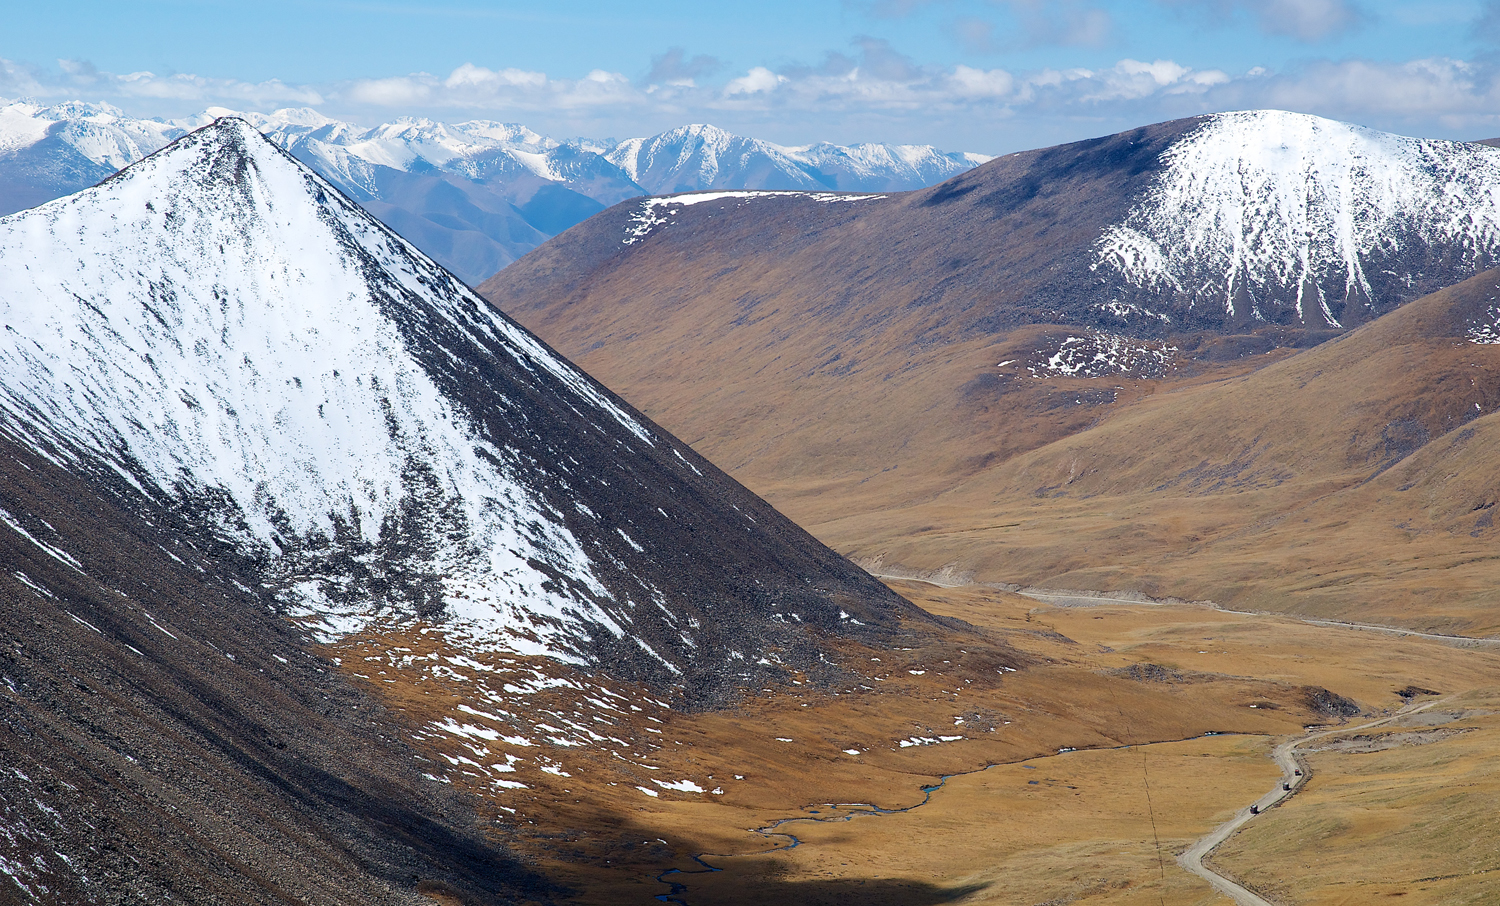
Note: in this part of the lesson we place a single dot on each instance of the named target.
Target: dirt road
(1294, 773)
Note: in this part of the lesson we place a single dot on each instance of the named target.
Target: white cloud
(879, 81)
(872, 91)
(476, 87)
(477, 77)
(1133, 80)
(860, 86)
(401, 91)
(759, 80)
(1437, 86)
(981, 83)
(75, 77)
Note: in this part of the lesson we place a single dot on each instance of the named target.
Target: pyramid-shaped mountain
(238, 415)
(217, 327)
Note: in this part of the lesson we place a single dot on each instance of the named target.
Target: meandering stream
(847, 811)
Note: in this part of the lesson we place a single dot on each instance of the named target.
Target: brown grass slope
(849, 348)
(1005, 244)
(1356, 479)
(1352, 479)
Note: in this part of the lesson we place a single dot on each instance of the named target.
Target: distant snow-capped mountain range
(474, 195)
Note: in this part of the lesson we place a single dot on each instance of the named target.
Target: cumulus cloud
(967, 82)
(1455, 90)
(871, 84)
(75, 77)
(477, 87)
(877, 78)
(759, 80)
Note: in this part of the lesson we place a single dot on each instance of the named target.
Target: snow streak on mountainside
(1268, 215)
(655, 212)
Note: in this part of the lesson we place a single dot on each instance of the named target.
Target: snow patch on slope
(1253, 204)
(655, 212)
(1486, 331)
(1097, 355)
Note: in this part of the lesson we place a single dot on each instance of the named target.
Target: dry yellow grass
(1082, 833)
(1075, 826)
(1411, 815)
(1355, 479)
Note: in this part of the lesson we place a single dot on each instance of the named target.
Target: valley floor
(1135, 731)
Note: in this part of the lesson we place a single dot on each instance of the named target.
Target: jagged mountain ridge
(475, 195)
(701, 157)
(374, 439)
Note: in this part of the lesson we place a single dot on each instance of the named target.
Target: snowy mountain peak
(700, 156)
(98, 132)
(288, 116)
(222, 327)
(509, 135)
(703, 132)
(219, 329)
(1266, 215)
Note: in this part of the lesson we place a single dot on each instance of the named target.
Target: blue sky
(981, 75)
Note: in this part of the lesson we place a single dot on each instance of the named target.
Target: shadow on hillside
(762, 882)
(829, 892)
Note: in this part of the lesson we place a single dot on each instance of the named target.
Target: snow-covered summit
(220, 329)
(1264, 215)
(883, 167)
(220, 324)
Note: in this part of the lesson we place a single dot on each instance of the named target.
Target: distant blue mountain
(475, 196)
